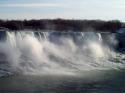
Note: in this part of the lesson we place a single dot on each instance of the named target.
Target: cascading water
(28, 52)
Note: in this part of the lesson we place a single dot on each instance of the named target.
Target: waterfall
(82, 34)
(36, 52)
(99, 37)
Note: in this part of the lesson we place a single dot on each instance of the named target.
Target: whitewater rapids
(68, 53)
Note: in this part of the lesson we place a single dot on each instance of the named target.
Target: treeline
(62, 25)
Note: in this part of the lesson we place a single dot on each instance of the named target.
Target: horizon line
(33, 5)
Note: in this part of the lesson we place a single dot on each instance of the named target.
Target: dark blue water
(92, 82)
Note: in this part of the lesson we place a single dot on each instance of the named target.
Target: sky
(67, 9)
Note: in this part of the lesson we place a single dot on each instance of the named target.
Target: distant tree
(111, 25)
(62, 25)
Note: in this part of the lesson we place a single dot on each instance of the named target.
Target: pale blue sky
(68, 9)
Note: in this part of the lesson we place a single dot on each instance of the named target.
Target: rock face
(4, 73)
(120, 35)
(3, 35)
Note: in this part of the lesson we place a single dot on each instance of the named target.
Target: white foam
(29, 55)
